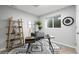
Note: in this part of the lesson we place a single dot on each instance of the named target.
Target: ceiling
(39, 10)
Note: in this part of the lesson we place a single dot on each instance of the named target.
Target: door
(77, 29)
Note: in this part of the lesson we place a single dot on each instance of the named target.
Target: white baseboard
(77, 50)
(64, 44)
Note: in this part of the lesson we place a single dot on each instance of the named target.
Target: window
(54, 22)
(29, 23)
(50, 23)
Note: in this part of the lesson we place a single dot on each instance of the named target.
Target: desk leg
(28, 48)
(50, 46)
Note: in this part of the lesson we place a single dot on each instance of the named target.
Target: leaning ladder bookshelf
(15, 37)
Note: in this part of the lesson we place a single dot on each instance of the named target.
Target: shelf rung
(9, 33)
(19, 33)
(17, 45)
(17, 21)
(15, 39)
(15, 26)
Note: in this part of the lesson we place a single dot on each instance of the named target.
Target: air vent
(35, 5)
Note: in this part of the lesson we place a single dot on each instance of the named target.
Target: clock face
(68, 21)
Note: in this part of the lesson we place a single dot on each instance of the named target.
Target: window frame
(53, 19)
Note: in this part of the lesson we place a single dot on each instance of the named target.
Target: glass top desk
(29, 40)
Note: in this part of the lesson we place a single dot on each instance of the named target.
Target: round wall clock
(68, 21)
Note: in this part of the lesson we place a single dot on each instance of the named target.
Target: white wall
(66, 34)
(5, 13)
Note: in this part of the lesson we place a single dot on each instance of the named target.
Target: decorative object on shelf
(68, 21)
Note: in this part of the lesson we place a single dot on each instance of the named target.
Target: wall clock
(68, 21)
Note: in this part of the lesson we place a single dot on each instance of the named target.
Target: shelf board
(10, 48)
(14, 39)
(17, 21)
(15, 26)
(17, 45)
(14, 33)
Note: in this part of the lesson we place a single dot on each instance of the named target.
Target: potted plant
(39, 23)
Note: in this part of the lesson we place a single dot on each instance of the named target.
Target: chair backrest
(39, 34)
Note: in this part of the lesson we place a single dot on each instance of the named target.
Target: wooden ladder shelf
(15, 36)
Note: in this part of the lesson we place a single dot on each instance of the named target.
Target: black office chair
(38, 36)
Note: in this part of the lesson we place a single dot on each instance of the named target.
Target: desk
(30, 40)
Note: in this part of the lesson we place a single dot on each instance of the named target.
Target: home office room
(38, 29)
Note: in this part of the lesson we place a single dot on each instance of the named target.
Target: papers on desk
(49, 37)
(52, 36)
